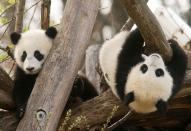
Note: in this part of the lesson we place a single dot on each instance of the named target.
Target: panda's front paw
(129, 98)
(161, 106)
(20, 112)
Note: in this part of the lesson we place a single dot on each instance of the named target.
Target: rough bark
(99, 109)
(8, 121)
(45, 14)
(19, 15)
(149, 27)
(6, 85)
(54, 84)
(128, 25)
(91, 63)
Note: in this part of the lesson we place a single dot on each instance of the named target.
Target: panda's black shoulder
(83, 88)
(23, 79)
(20, 74)
(177, 65)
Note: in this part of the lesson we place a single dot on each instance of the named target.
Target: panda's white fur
(31, 50)
(108, 57)
(148, 88)
(30, 41)
(121, 58)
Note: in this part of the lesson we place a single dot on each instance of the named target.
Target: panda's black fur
(23, 85)
(24, 82)
(83, 88)
(130, 56)
(127, 55)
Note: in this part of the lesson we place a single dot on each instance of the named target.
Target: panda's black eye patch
(159, 72)
(144, 68)
(38, 55)
(23, 57)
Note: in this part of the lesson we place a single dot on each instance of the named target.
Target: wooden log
(19, 16)
(172, 25)
(179, 113)
(97, 111)
(8, 121)
(55, 81)
(6, 86)
(45, 14)
(128, 25)
(149, 27)
(91, 63)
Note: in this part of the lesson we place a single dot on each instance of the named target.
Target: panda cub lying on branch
(31, 50)
(145, 83)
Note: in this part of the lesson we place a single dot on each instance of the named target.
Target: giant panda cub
(145, 83)
(31, 50)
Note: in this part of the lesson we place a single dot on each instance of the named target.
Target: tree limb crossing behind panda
(145, 83)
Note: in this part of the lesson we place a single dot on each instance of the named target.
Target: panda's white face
(150, 82)
(31, 50)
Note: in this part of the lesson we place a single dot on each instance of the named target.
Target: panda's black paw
(161, 106)
(20, 112)
(129, 98)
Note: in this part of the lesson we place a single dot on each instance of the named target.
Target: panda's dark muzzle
(30, 69)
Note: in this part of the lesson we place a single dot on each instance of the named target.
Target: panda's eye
(23, 57)
(159, 72)
(38, 55)
(144, 68)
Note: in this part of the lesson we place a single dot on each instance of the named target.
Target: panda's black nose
(30, 68)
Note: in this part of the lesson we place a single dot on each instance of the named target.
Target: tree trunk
(19, 16)
(149, 27)
(91, 62)
(6, 86)
(55, 81)
(45, 14)
(8, 121)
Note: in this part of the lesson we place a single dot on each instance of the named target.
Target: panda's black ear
(51, 32)
(15, 37)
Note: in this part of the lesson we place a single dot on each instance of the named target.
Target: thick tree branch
(91, 63)
(97, 111)
(6, 85)
(8, 121)
(45, 14)
(19, 15)
(54, 84)
(149, 27)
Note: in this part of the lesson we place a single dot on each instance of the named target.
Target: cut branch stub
(149, 27)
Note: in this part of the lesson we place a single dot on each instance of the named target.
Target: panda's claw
(20, 111)
(129, 98)
(161, 106)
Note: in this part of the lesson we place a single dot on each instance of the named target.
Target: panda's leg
(130, 97)
(134, 43)
(20, 99)
(161, 106)
(177, 65)
(83, 88)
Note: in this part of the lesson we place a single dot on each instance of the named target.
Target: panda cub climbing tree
(145, 83)
(31, 50)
